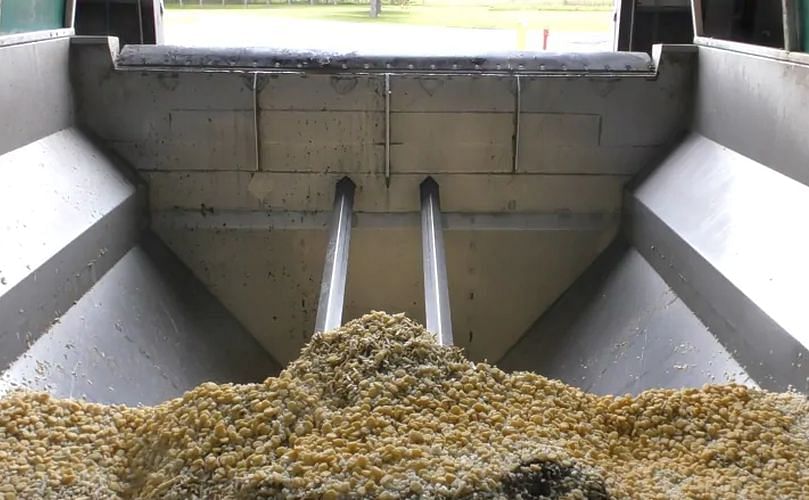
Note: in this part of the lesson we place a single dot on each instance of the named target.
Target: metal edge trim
(801, 58)
(34, 36)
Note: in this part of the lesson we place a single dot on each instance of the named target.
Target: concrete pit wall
(222, 161)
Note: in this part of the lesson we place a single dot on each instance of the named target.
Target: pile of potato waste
(377, 409)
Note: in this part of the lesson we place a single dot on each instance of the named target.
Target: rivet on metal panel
(791, 23)
(387, 129)
(517, 109)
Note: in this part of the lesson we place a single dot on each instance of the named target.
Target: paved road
(369, 38)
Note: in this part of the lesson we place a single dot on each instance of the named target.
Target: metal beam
(223, 220)
(436, 291)
(792, 24)
(335, 269)
(387, 129)
(515, 164)
(696, 18)
(70, 13)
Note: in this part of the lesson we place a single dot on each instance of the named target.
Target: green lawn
(500, 16)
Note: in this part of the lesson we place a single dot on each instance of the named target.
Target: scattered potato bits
(378, 409)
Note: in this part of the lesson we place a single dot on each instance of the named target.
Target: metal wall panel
(756, 106)
(313, 92)
(577, 146)
(35, 91)
(18, 16)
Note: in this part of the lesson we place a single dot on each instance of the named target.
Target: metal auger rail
(436, 290)
(335, 269)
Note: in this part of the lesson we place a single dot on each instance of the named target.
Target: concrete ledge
(729, 236)
(67, 214)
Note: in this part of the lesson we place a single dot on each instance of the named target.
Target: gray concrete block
(617, 160)
(621, 329)
(201, 190)
(634, 111)
(272, 292)
(315, 192)
(323, 141)
(451, 142)
(426, 93)
(725, 232)
(145, 333)
(322, 92)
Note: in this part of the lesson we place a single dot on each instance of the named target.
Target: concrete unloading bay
(592, 266)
